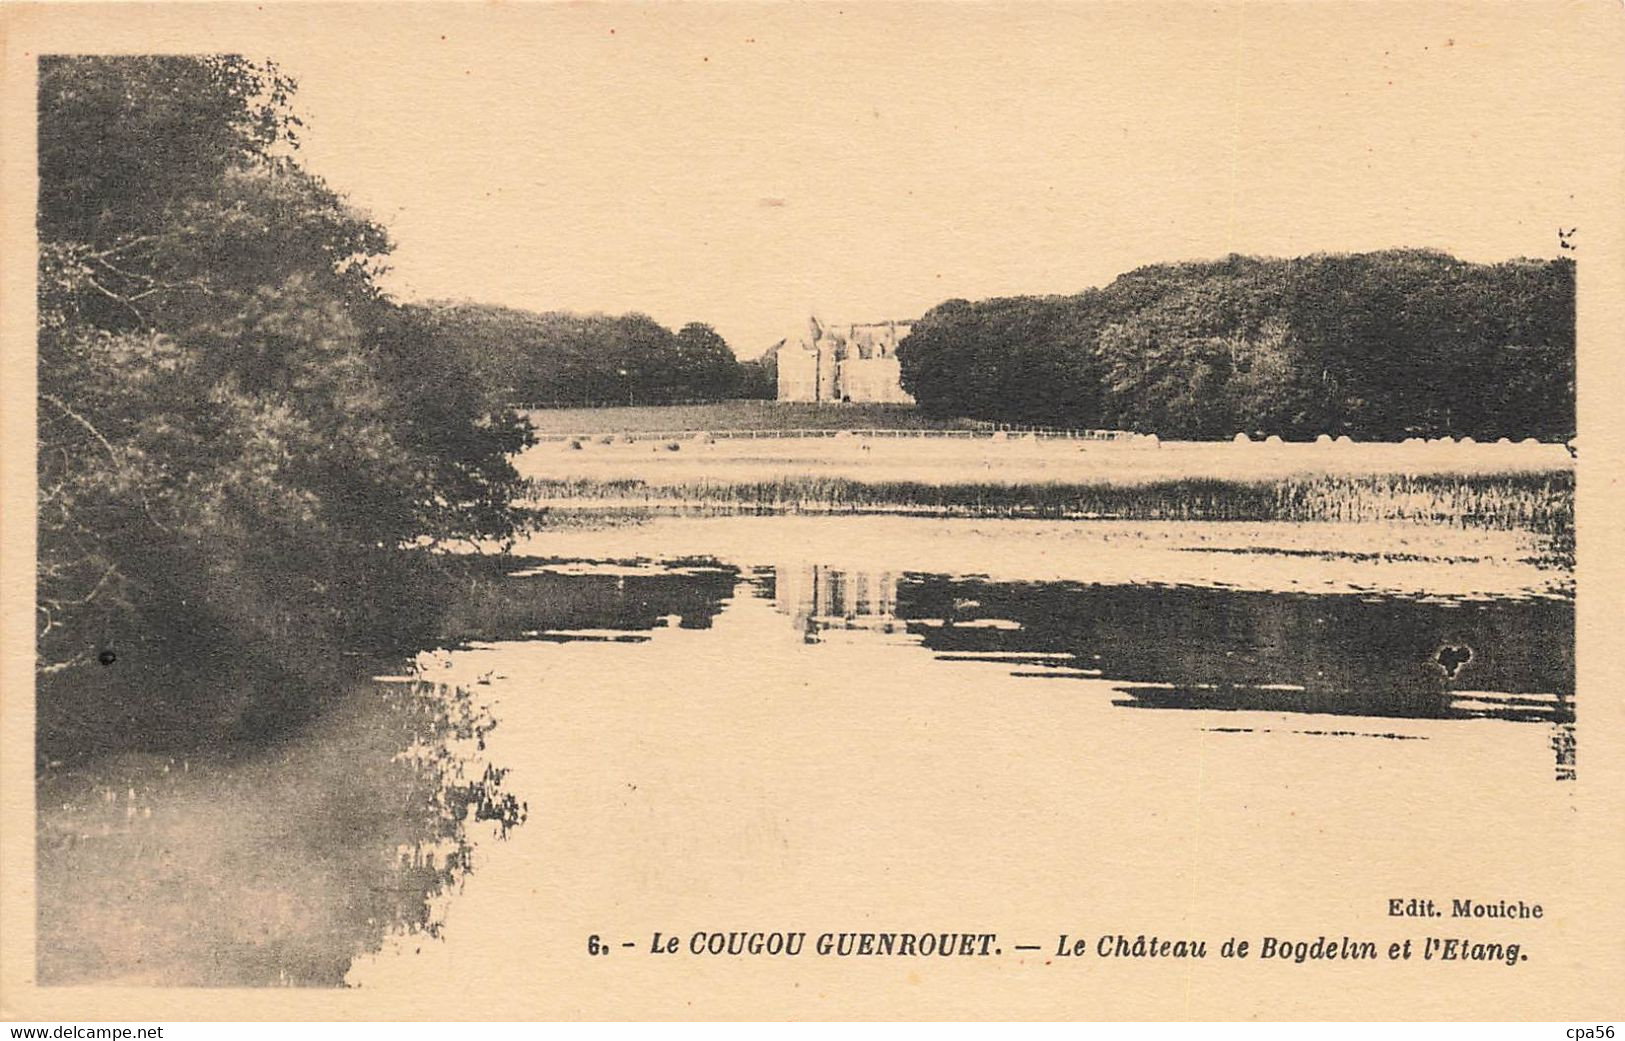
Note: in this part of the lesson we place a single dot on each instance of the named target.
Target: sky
(747, 165)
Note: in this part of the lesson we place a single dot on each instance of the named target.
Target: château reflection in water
(1179, 647)
(819, 598)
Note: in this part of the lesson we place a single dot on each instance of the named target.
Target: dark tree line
(557, 359)
(759, 377)
(1378, 346)
(241, 439)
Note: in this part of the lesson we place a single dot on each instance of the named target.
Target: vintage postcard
(812, 511)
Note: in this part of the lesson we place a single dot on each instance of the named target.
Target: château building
(852, 362)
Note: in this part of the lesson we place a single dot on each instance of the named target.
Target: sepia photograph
(792, 511)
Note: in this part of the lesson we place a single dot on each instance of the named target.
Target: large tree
(239, 435)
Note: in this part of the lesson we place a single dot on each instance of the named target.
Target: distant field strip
(988, 433)
(736, 415)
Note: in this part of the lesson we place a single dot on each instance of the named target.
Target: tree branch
(82, 421)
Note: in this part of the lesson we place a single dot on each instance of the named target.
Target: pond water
(765, 722)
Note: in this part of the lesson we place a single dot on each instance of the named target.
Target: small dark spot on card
(1451, 659)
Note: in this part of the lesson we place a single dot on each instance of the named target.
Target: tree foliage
(558, 359)
(239, 435)
(759, 377)
(1378, 345)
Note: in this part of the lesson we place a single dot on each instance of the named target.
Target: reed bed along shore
(1539, 502)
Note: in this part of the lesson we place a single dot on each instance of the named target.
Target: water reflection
(818, 598)
(282, 865)
(1221, 649)
(548, 596)
(269, 868)
(278, 863)
(1163, 647)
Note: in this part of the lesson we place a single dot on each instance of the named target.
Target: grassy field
(736, 415)
(900, 462)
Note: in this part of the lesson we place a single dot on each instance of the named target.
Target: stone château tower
(852, 362)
